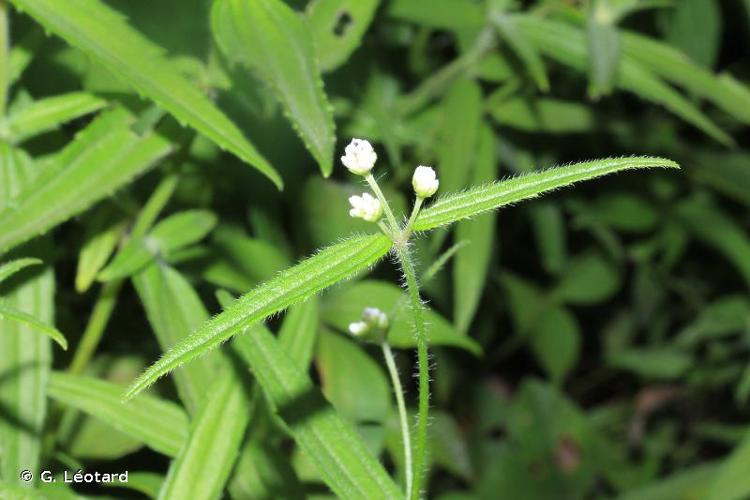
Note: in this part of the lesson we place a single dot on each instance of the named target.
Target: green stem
(105, 304)
(403, 416)
(423, 362)
(386, 207)
(412, 218)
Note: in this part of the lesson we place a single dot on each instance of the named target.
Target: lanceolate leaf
(32, 323)
(161, 425)
(312, 275)
(10, 268)
(102, 158)
(49, 113)
(481, 199)
(203, 465)
(567, 45)
(102, 34)
(272, 39)
(525, 51)
(342, 458)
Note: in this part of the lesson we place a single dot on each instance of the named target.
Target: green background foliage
(159, 158)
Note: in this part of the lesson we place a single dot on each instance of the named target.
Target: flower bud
(359, 157)
(425, 181)
(372, 327)
(366, 207)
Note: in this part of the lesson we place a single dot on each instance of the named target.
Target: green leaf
(724, 91)
(694, 26)
(148, 483)
(450, 14)
(49, 113)
(555, 340)
(346, 373)
(731, 481)
(273, 40)
(516, 39)
(567, 45)
(654, 362)
(312, 275)
(339, 454)
(10, 490)
(549, 231)
(11, 314)
(12, 267)
(603, 47)
(470, 268)
(174, 310)
(103, 35)
(202, 467)
(266, 473)
(337, 27)
(102, 158)
(345, 305)
(173, 233)
(459, 134)
(689, 483)
(541, 115)
(103, 231)
(300, 330)
(588, 279)
(477, 200)
(161, 424)
(24, 368)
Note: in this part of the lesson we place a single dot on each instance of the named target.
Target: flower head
(425, 181)
(373, 326)
(366, 207)
(359, 157)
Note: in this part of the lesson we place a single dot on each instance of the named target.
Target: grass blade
(103, 35)
(204, 464)
(160, 424)
(29, 321)
(48, 114)
(339, 453)
(466, 204)
(12, 267)
(272, 39)
(312, 275)
(103, 157)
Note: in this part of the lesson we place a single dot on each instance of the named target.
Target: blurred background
(594, 343)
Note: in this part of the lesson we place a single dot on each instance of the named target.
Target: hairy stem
(420, 450)
(386, 207)
(413, 217)
(403, 416)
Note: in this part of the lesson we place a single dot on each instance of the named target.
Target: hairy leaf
(203, 465)
(102, 34)
(160, 424)
(454, 207)
(100, 159)
(12, 267)
(312, 275)
(31, 322)
(49, 113)
(272, 39)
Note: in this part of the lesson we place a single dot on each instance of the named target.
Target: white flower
(359, 157)
(358, 328)
(366, 207)
(373, 326)
(425, 181)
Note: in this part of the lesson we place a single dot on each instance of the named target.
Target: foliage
(593, 343)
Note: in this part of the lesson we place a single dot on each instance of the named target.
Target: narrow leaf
(342, 458)
(526, 52)
(477, 200)
(12, 267)
(731, 481)
(300, 330)
(160, 424)
(202, 467)
(603, 48)
(49, 113)
(11, 314)
(102, 34)
(102, 158)
(103, 231)
(272, 39)
(312, 275)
